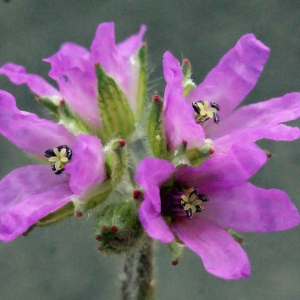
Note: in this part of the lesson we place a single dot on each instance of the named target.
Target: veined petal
(264, 115)
(87, 164)
(179, 121)
(234, 77)
(28, 194)
(28, 131)
(222, 256)
(76, 78)
(17, 74)
(231, 168)
(249, 208)
(250, 135)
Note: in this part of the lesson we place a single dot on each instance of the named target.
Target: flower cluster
(180, 163)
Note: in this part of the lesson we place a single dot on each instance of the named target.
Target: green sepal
(142, 80)
(51, 104)
(155, 131)
(197, 156)
(176, 251)
(116, 160)
(236, 237)
(187, 81)
(64, 212)
(180, 158)
(71, 119)
(92, 197)
(118, 227)
(116, 115)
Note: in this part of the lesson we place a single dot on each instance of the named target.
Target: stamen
(206, 111)
(191, 202)
(58, 157)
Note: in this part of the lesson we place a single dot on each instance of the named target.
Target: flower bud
(176, 250)
(116, 160)
(116, 114)
(180, 158)
(142, 80)
(236, 237)
(71, 120)
(188, 83)
(155, 132)
(51, 103)
(92, 197)
(198, 155)
(118, 228)
(64, 212)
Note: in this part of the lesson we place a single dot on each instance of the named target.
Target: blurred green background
(62, 262)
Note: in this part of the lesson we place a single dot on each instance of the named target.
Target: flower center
(59, 157)
(206, 111)
(185, 203)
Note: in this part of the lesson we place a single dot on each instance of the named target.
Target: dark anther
(214, 105)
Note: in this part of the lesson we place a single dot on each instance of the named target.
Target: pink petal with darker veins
(77, 81)
(27, 131)
(17, 74)
(249, 208)
(263, 115)
(233, 78)
(222, 256)
(28, 194)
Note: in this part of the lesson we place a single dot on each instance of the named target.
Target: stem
(138, 282)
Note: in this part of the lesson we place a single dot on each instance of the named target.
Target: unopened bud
(155, 130)
(187, 73)
(116, 160)
(176, 250)
(236, 237)
(198, 155)
(118, 227)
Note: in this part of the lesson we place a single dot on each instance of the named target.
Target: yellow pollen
(206, 111)
(190, 201)
(59, 159)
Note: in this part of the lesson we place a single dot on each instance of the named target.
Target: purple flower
(217, 98)
(199, 204)
(30, 193)
(73, 68)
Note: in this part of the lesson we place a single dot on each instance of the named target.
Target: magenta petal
(153, 223)
(251, 135)
(234, 77)
(131, 45)
(28, 131)
(75, 75)
(116, 59)
(179, 122)
(28, 194)
(87, 164)
(151, 174)
(231, 168)
(249, 208)
(222, 256)
(265, 114)
(104, 50)
(17, 74)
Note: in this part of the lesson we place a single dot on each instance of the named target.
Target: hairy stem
(138, 283)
